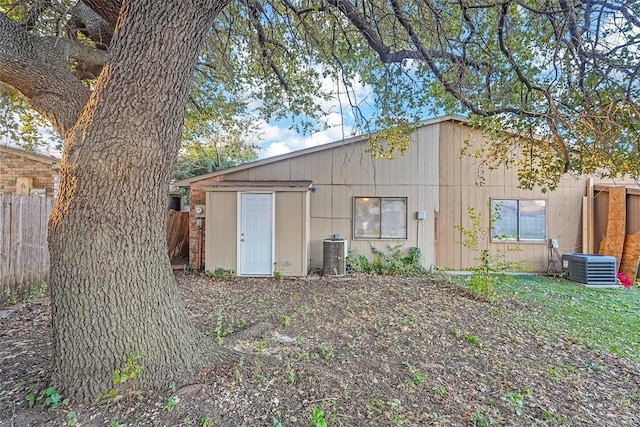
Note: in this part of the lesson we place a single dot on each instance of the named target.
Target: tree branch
(90, 24)
(363, 25)
(38, 69)
(254, 11)
(109, 10)
(35, 12)
(622, 8)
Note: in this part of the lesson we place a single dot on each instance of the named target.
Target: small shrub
(49, 398)
(392, 264)
(417, 377)
(276, 273)
(515, 401)
(357, 263)
(482, 419)
(439, 391)
(491, 268)
(219, 273)
(72, 418)
(26, 294)
(12, 297)
(326, 351)
(172, 403)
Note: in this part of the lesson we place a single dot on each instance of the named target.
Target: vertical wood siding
(435, 177)
(291, 233)
(222, 224)
(467, 182)
(344, 172)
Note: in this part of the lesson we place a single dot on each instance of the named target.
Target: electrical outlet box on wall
(199, 210)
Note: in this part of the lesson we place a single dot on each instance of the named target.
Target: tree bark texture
(113, 290)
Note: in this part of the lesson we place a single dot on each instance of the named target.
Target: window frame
(380, 199)
(518, 238)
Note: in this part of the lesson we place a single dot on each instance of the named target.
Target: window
(380, 218)
(519, 220)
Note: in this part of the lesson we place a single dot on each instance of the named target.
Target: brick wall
(14, 165)
(197, 196)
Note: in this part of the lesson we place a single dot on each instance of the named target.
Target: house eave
(249, 186)
(356, 139)
(53, 162)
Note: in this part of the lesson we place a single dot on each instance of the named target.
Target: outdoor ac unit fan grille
(334, 254)
(595, 270)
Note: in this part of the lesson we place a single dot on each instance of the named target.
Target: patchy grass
(600, 319)
(366, 351)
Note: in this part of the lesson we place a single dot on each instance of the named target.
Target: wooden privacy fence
(178, 234)
(24, 255)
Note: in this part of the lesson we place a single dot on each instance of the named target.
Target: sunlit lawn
(600, 319)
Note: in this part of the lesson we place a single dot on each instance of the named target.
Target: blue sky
(277, 138)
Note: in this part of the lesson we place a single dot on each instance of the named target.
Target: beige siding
(435, 178)
(221, 230)
(291, 233)
(467, 182)
(343, 172)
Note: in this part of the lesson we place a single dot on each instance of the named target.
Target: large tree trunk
(113, 291)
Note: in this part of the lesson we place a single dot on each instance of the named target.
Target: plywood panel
(613, 243)
(600, 217)
(630, 255)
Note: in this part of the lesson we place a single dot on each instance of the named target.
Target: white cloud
(276, 138)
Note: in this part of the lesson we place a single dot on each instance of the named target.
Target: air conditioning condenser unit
(591, 270)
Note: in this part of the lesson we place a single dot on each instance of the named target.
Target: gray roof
(187, 182)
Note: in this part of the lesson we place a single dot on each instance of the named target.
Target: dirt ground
(363, 351)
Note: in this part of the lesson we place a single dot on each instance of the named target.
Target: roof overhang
(187, 182)
(260, 186)
(52, 162)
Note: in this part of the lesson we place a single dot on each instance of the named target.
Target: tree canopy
(562, 74)
(554, 81)
(216, 152)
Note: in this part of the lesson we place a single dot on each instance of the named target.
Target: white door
(256, 234)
